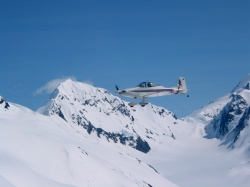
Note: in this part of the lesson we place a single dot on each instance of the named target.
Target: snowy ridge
(208, 112)
(243, 84)
(88, 137)
(38, 150)
(232, 120)
(108, 117)
(7, 109)
(227, 117)
(3, 103)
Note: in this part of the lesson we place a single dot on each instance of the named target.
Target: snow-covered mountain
(85, 136)
(228, 118)
(37, 150)
(110, 118)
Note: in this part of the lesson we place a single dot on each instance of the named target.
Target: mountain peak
(243, 84)
(109, 117)
(207, 113)
(227, 118)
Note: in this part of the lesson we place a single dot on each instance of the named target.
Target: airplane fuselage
(139, 92)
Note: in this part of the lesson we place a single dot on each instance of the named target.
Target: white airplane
(150, 89)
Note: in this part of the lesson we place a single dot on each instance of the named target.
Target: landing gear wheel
(132, 104)
(143, 103)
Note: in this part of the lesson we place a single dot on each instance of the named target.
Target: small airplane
(150, 89)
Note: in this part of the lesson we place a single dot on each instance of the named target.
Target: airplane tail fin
(181, 85)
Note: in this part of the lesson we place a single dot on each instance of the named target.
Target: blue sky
(124, 43)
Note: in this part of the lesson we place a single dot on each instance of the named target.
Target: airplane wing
(159, 92)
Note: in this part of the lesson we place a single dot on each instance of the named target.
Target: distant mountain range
(85, 136)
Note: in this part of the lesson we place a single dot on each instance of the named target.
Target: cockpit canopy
(147, 84)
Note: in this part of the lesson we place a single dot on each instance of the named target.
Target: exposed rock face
(107, 116)
(4, 103)
(227, 117)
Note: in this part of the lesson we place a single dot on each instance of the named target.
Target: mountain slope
(88, 137)
(207, 113)
(228, 117)
(37, 150)
(177, 149)
(108, 117)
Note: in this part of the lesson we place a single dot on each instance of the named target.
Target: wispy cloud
(50, 86)
(88, 82)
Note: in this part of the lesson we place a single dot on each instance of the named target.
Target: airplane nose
(120, 91)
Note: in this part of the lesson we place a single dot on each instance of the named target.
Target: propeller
(116, 87)
(118, 90)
